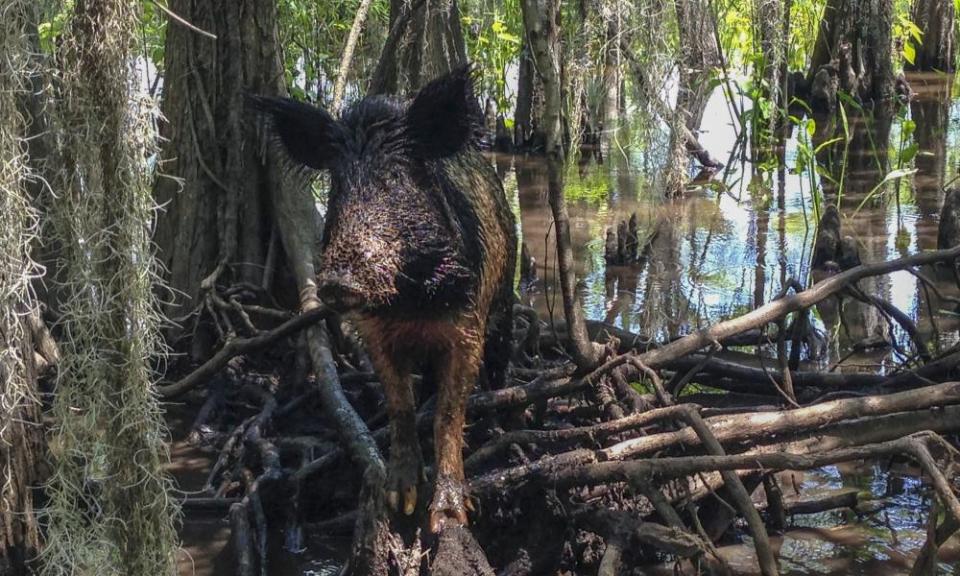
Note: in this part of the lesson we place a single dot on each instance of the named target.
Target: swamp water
(727, 246)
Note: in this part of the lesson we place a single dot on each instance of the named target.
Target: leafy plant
(908, 36)
(494, 42)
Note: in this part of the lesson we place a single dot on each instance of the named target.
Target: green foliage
(805, 16)
(494, 40)
(878, 189)
(52, 24)
(153, 32)
(313, 35)
(906, 34)
(593, 187)
(739, 38)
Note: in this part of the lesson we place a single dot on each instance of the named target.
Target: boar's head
(396, 238)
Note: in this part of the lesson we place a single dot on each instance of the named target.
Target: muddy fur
(419, 251)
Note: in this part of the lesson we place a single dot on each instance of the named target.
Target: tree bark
(937, 51)
(528, 132)
(215, 191)
(699, 55)
(855, 36)
(27, 156)
(612, 80)
(430, 44)
(541, 20)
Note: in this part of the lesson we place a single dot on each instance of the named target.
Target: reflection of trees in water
(930, 110)
(666, 303)
(678, 286)
(853, 169)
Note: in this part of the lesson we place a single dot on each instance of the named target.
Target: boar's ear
(445, 116)
(310, 135)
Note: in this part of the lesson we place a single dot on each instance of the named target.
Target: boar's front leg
(405, 470)
(457, 374)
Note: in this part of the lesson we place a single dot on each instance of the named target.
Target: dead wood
(242, 540)
(847, 498)
(776, 511)
(236, 346)
(458, 554)
(756, 428)
(780, 307)
(674, 455)
(915, 447)
(368, 555)
(927, 557)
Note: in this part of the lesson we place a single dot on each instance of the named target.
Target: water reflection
(731, 245)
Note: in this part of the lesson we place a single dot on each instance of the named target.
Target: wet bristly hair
(402, 226)
(440, 121)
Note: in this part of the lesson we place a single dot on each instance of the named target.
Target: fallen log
(659, 469)
(768, 425)
(757, 428)
(847, 498)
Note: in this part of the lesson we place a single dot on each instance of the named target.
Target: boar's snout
(340, 291)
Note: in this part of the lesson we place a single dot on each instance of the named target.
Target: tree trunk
(855, 38)
(773, 39)
(215, 190)
(431, 44)
(699, 56)
(937, 51)
(528, 131)
(541, 20)
(609, 114)
(21, 432)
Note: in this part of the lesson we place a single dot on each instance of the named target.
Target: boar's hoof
(403, 475)
(450, 502)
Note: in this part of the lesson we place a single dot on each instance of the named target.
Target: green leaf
(811, 127)
(915, 32)
(892, 175)
(909, 52)
(909, 153)
(508, 37)
(827, 143)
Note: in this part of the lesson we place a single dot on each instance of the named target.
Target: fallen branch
(238, 346)
(756, 428)
(368, 554)
(660, 469)
(780, 307)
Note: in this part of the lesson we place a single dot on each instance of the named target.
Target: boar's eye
(445, 116)
(310, 135)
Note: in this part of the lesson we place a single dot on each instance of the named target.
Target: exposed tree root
(598, 476)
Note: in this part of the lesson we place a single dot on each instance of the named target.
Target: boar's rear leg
(405, 470)
(457, 374)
